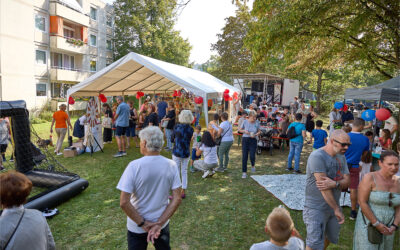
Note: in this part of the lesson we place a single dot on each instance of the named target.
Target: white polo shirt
(149, 180)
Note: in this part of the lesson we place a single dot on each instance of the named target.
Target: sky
(200, 22)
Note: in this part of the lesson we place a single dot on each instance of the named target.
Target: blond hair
(279, 224)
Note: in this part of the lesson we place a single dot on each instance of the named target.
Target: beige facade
(46, 46)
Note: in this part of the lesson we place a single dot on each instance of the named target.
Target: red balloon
(226, 91)
(235, 95)
(137, 96)
(230, 98)
(175, 93)
(382, 114)
(71, 100)
(345, 107)
(102, 98)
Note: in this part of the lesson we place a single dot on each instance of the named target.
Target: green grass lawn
(222, 212)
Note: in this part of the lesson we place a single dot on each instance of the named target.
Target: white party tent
(135, 72)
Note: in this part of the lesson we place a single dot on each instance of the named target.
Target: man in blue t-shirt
(319, 135)
(161, 109)
(296, 144)
(122, 123)
(359, 144)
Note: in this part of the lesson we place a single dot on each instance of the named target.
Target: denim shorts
(320, 225)
(120, 131)
(131, 131)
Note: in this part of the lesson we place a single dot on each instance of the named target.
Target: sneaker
(289, 169)
(206, 174)
(124, 153)
(59, 154)
(119, 154)
(192, 170)
(244, 175)
(253, 169)
(353, 215)
(298, 171)
(219, 170)
(11, 160)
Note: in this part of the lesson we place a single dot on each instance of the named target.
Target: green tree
(318, 42)
(232, 56)
(146, 27)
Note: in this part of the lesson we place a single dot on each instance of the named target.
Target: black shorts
(120, 131)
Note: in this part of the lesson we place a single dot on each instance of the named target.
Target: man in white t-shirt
(145, 186)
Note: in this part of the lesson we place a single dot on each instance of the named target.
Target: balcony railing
(69, 44)
(67, 68)
(65, 74)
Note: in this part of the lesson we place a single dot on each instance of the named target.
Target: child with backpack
(319, 135)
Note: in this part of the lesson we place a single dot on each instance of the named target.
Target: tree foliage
(328, 45)
(146, 27)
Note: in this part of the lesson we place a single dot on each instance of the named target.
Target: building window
(93, 13)
(41, 89)
(93, 40)
(40, 56)
(68, 32)
(109, 45)
(93, 67)
(109, 21)
(40, 23)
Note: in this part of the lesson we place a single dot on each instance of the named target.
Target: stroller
(265, 140)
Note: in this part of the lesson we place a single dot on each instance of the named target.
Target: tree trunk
(318, 93)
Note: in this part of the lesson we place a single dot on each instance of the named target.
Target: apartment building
(46, 46)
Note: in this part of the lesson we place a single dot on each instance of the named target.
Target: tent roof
(386, 91)
(135, 72)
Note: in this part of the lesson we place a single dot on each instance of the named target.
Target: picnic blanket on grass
(290, 189)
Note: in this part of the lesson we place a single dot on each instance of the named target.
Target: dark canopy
(386, 91)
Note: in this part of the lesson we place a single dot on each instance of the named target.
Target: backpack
(291, 133)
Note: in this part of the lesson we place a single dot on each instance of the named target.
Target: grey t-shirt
(250, 127)
(294, 243)
(335, 167)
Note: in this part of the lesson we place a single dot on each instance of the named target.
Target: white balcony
(68, 75)
(58, 9)
(68, 45)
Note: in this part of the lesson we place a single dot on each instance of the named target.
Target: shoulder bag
(219, 139)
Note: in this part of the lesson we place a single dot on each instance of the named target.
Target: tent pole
(205, 108)
(68, 128)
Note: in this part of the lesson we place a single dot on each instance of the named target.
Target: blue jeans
(168, 134)
(249, 145)
(295, 151)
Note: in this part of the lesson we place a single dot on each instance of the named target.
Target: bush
(46, 115)
(37, 120)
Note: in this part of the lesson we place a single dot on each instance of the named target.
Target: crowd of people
(153, 186)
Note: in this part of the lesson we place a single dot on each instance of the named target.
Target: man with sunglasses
(327, 175)
(359, 144)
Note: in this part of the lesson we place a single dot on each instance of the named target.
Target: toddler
(196, 139)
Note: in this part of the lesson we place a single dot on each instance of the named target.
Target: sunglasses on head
(343, 144)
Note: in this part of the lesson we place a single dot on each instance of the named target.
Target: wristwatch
(397, 227)
(141, 224)
(337, 185)
(376, 223)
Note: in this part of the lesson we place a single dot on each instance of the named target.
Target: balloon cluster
(177, 93)
(226, 95)
(103, 98)
(71, 100)
(198, 100)
(380, 114)
(139, 94)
